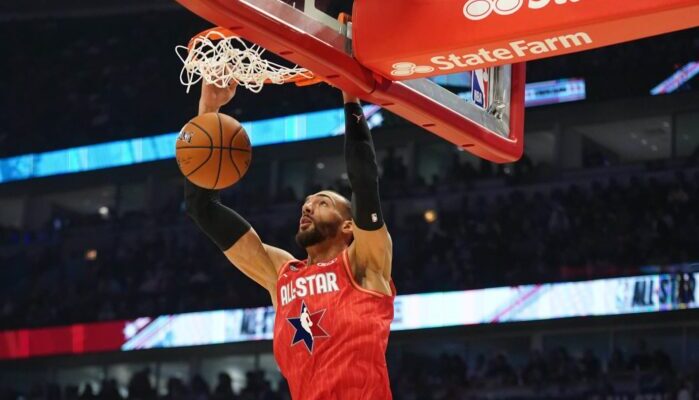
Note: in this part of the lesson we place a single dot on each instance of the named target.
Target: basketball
(213, 151)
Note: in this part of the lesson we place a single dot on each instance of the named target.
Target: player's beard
(317, 233)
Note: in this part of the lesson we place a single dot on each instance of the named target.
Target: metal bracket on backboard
(309, 8)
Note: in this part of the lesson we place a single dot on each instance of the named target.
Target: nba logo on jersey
(480, 87)
(307, 326)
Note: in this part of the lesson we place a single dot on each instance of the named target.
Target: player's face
(321, 219)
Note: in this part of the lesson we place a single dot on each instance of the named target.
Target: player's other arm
(231, 232)
(372, 248)
(234, 236)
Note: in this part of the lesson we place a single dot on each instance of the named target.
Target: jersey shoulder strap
(285, 267)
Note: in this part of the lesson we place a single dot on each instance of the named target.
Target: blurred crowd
(557, 373)
(141, 386)
(78, 81)
(572, 232)
(142, 264)
(553, 374)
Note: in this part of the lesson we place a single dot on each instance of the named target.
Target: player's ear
(347, 226)
(347, 230)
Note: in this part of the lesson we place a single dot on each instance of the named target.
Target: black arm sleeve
(362, 170)
(223, 225)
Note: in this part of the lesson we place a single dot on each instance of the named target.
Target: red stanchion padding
(438, 37)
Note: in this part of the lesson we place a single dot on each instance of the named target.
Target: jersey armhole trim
(283, 268)
(348, 270)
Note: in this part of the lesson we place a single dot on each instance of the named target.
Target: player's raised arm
(231, 232)
(372, 248)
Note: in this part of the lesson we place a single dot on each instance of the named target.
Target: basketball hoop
(391, 47)
(219, 56)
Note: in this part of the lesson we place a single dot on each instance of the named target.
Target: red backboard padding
(459, 35)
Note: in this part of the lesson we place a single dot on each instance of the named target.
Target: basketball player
(334, 309)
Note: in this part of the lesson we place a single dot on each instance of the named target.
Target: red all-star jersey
(330, 334)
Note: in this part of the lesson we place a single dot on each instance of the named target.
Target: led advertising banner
(548, 92)
(616, 296)
(677, 79)
(287, 129)
(554, 92)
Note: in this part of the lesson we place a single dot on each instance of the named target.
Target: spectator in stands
(109, 390)
(176, 390)
(499, 372)
(140, 386)
(616, 362)
(200, 389)
(590, 367)
(641, 360)
(224, 388)
(535, 372)
(88, 392)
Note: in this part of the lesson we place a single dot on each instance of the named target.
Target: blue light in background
(287, 129)
(458, 80)
(315, 125)
(677, 79)
(554, 92)
(548, 92)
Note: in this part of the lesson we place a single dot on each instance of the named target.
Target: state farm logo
(408, 68)
(477, 10)
(508, 53)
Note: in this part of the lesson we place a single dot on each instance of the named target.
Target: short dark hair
(345, 207)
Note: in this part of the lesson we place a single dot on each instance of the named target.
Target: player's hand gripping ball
(213, 151)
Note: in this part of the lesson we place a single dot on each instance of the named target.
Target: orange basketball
(213, 151)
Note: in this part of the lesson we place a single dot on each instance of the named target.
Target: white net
(218, 59)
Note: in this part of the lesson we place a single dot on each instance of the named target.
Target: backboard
(308, 33)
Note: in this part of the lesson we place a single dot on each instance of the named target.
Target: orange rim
(227, 33)
(224, 32)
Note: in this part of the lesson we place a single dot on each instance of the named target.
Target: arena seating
(552, 374)
(155, 263)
